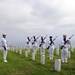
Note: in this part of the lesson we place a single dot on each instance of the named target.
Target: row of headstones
(20, 50)
(26, 54)
(57, 65)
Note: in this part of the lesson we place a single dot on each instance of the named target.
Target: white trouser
(51, 52)
(42, 50)
(4, 54)
(64, 54)
(34, 47)
(28, 47)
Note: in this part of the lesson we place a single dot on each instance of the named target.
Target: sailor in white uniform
(28, 44)
(4, 47)
(51, 47)
(42, 45)
(64, 49)
(34, 44)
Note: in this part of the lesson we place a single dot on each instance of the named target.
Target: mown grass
(20, 65)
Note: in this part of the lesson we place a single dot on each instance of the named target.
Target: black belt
(65, 47)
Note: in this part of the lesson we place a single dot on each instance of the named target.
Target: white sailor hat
(3, 34)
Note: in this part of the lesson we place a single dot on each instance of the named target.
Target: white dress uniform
(4, 48)
(64, 51)
(34, 46)
(51, 50)
(42, 47)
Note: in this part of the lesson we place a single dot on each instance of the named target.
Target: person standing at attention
(4, 47)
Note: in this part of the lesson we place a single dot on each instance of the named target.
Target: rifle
(52, 42)
(43, 41)
(35, 40)
(66, 41)
(37, 37)
(29, 40)
(45, 37)
(4, 47)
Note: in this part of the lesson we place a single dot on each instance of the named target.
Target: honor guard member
(28, 44)
(4, 47)
(64, 49)
(34, 44)
(51, 47)
(42, 45)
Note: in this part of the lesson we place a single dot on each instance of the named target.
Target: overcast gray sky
(20, 18)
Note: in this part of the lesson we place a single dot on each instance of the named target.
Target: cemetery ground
(18, 64)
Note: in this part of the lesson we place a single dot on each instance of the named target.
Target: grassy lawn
(20, 65)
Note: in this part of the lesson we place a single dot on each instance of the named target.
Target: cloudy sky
(21, 18)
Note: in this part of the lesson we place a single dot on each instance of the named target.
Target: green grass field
(20, 65)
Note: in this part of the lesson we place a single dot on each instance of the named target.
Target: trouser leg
(4, 54)
(66, 55)
(51, 52)
(62, 55)
(42, 50)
